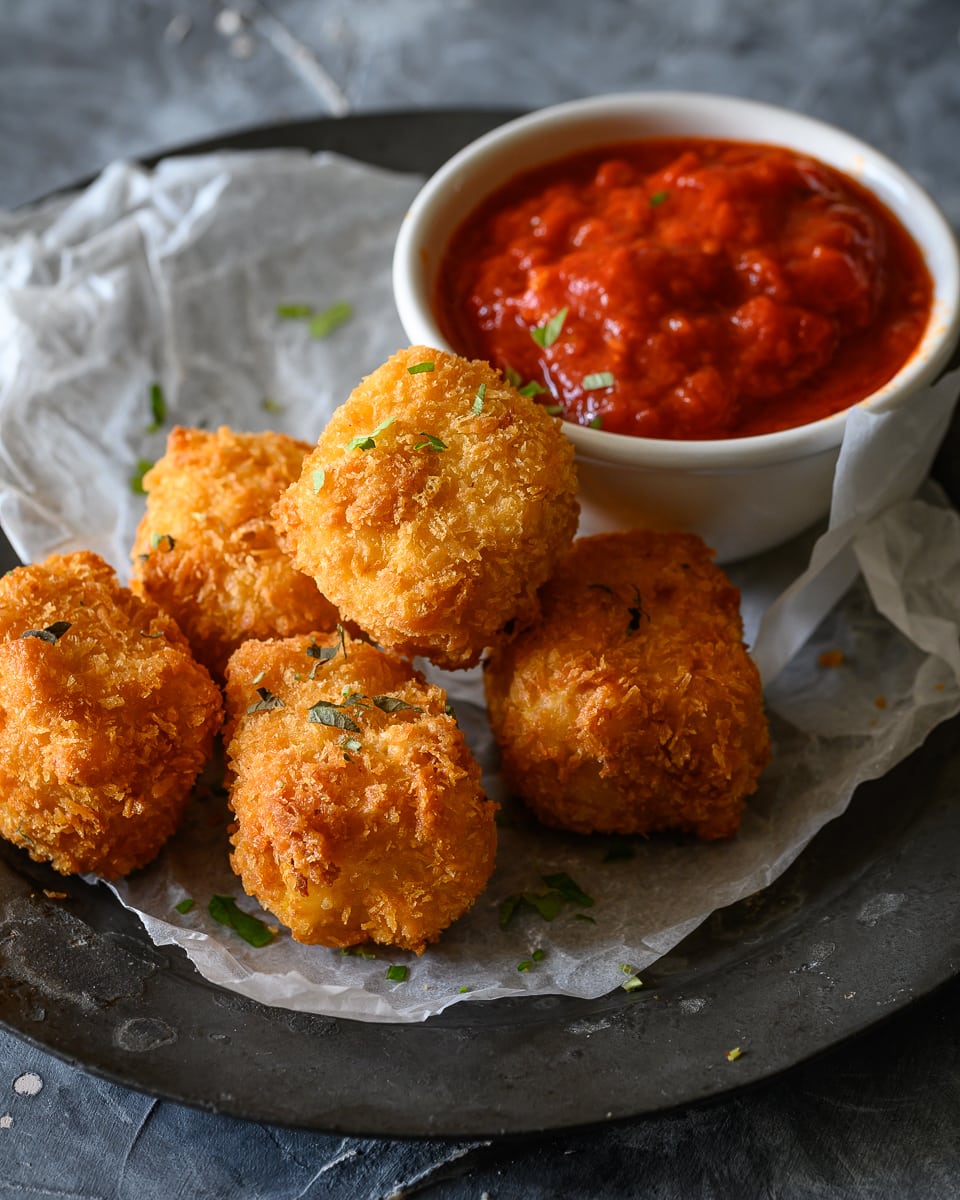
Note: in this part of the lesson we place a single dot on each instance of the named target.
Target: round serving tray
(863, 923)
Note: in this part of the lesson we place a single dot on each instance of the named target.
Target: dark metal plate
(867, 920)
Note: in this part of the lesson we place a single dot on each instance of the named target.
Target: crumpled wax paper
(175, 276)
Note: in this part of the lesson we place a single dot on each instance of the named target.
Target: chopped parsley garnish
(317, 478)
(568, 889)
(391, 704)
(325, 712)
(367, 441)
(397, 973)
(267, 702)
(224, 910)
(598, 379)
(514, 378)
(294, 312)
(322, 324)
(136, 479)
(335, 715)
(538, 955)
(350, 745)
(658, 198)
(463, 989)
(524, 966)
(545, 335)
(185, 905)
(326, 653)
(271, 406)
(157, 540)
(477, 407)
(549, 903)
(532, 389)
(158, 408)
(430, 443)
(596, 423)
(357, 952)
(52, 633)
(553, 409)
(420, 368)
(633, 984)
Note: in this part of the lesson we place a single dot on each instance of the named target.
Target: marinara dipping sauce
(686, 288)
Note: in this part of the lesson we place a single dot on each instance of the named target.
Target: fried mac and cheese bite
(633, 706)
(206, 549)
(105, 718)
(436, 502)
(359, 813)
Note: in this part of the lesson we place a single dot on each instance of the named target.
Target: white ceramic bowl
(743, 495)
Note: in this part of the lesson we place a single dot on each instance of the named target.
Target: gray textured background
(83, 82)
(86, 81)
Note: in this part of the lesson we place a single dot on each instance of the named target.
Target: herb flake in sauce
(545, 335)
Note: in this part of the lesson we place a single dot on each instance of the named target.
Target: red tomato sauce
(686, 288)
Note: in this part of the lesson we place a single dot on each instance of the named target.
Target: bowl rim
(916, 210)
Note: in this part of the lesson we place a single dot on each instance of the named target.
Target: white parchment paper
(175, 276)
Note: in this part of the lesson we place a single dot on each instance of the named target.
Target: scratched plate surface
(864, 922)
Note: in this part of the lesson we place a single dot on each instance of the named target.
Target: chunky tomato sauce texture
(686, 289)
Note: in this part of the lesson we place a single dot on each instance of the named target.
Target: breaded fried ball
(436, 502)
(105, 718)
(633, 706)
(206, 550)
(359, 810)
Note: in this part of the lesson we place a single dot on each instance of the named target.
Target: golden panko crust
(377, 832)
(434, 505)
(105, 721)
(634, 705)
(206, 549)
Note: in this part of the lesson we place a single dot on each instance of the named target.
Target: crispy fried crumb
(379, 832)
(436, 552)
(633, 706)
(206, 550)
(102, 731)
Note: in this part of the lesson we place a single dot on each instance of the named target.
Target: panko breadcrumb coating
(105, 718)
(633, 706)
(436, 502)
(206, 550)
(359, 810)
